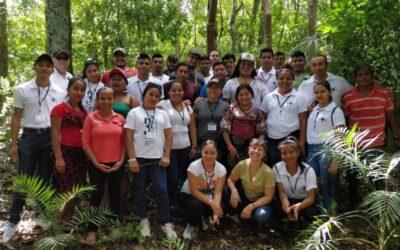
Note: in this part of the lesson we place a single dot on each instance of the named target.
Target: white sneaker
(9, 232)
(169, 230)
(145, 228)
(187, 234)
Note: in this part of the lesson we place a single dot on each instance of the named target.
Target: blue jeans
(176, 171)
(158, 176)
(34, 149)
(329, 183)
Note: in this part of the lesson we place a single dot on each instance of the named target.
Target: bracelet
(210, 201)
(132, 160)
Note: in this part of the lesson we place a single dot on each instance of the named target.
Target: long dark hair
(149, 86)
(70, 83)
(86, 66)
(292, 141)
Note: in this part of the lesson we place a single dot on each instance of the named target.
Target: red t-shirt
(128, 71)
(72, 124)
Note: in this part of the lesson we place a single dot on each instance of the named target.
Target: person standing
(61, 76)
(91, 74)
(266, 74)
(172, 60)
(33, 102)
(157, 65)
(298, 62)
(279, 60)
(120, 60)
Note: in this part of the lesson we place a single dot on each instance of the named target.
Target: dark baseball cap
(196, 52)
(44, 58)
(120, 50)
(60, 52)
(172, 57)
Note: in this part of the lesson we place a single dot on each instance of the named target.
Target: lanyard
(45, 95)
(315, 121)
(179, 113)
(279, 102)
(270, 75)
(208, 181)
(295, 184)
(151, 119)
(140, 89)
(212, 110)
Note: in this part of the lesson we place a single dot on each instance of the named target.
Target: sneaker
(187, 234)
(169, 230)
(9, 232)
(204, 224)
(145, 228)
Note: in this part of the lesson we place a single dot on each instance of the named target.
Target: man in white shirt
(157, 65)
(319, 68)
(33, 102)
(61, 76)
(137, 84)
(266, 74)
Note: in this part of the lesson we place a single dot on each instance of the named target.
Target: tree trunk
(4, 39)
(178, 4)
(312, 17)
(268, 22)
(232, 26)
(58, 26)
(212, 25)
(253, 19)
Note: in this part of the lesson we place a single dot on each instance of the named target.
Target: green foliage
(56, 242)
(6, 100)
(117, 233)
(174, 244)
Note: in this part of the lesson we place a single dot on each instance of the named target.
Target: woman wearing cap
(184, 136)
(208, 115)
(91, 75)
(245, 73)
(240, 123)
(253, 197)
(286, 114)
(148, 144)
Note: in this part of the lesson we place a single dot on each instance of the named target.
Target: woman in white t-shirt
(325, 117)
(296, 182)
(91, 75)
(202, 191)
(148, 144)
(184, 136)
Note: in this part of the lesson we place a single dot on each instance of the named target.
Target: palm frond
(81, 192)
(99, 216)
(58, 242)
(34, 187)
(384, 206)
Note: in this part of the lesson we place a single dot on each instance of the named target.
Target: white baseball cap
(247, 57)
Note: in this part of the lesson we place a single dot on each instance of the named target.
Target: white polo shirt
(260, 91)
(27, 96)
(283, 113)
(268, 78)
(296, 186)
(163, 78)
(339, 86)
(60, 80)
(323, 120)
(136, 87)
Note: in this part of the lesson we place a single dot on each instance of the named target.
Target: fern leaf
(57, 242)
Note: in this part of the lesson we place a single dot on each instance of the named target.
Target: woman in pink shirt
(103, 143)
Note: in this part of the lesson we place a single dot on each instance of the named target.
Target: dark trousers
(307, 213)
(176, 172)
(98, 179)
(261, 215)
(34, 149)
(194, 209)
(274, 154)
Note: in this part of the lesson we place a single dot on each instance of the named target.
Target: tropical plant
(379, 212)
(60, 234)
(6, 99)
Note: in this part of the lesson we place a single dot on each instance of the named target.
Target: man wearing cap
(120, 60)
(33, 102)
(60, 75)
(157, 65)
(266, 74)
(138, 83)
(193, 59)
(172, 60)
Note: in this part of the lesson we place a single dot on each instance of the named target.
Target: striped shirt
(369, 112)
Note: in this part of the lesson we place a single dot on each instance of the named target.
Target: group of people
(228, 139)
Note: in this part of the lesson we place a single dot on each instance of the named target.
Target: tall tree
(4, 39)
(312, 17)
(58, 25)
(212, 25)
(253, 18)
(178, 4)
(268, 22)
(232, 26)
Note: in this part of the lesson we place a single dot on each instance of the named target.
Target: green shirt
(299, 79)
(254, 188)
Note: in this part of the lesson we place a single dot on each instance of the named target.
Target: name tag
(212, 126)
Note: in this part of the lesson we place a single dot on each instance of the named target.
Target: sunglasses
(62, 58)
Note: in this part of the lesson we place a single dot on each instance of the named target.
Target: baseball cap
(120, 50)
(214, 82)
(44, 58)
(118, 71)
(247, 57)
(172, 57)
(60, 52)
(195, 51)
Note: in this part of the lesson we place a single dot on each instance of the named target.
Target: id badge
(211, 126)
(40, 117)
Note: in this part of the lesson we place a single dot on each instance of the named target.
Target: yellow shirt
(254, 188)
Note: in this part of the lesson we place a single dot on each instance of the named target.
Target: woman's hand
(285, 207)
(216, 208)
(192, 152)
(294, 212)
(13, 153)
(199, 100)
(235, 198)
(134, 166)
(164, 162)
(60, 165)
(214, 220)
(233, 151)
(117, 165)
(246, 212)
(102, 167)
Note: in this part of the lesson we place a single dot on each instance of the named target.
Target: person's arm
(266, 199)
(133, 102)
(308, 201)
(283, 197)
(303, 130)
(164, 162)
(130, 150)
(217, 199)
(56, 123)
(15, 126)
(121, 162)
(228, 142)
(391, 117)
(235, 197)
(193, 135)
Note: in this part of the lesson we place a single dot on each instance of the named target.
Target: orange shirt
(105, 138)
(369, 112)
